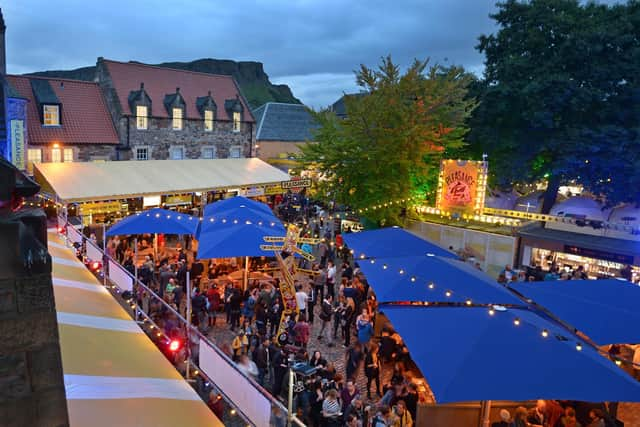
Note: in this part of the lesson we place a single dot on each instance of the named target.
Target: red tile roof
(160, 81)
(85, 118)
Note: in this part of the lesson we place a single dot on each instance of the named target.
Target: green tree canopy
(395, 134)
(560, 97)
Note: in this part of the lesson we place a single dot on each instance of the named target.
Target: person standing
(353, 358)
(301, 332)
(372, 369)
(301, 300)
(326, 313)
(262, 357)
(319, 281)
(331, 278)
(364, 327)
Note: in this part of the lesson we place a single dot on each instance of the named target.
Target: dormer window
(141, 117)
(208, 120)
(51, 115)
(237, 117)
(177, 118)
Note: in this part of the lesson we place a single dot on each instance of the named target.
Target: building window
(141, 117)
(235, 152)
(208, 152)
(236, 121)
(208, 120)
(51, 115)
(177, 119)
(67, 155)
(34, 155)
(142, 153)
(176, 153)
(56, 155)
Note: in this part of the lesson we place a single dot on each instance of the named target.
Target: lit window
(51, 115)
(67, 155)
(208, 152)
(56, 155)
(142, 153)
(235, 152)
(34, 155)
(141, 116)
(176, 153)
(177, 118)
(208, 120)
(236, 121)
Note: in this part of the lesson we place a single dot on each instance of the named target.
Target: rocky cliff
(253, 81)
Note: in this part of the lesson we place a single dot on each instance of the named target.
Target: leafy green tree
(390, 144)
(559, 100)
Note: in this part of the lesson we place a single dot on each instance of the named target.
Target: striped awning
(114, 375)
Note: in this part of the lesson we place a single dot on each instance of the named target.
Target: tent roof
(605, 310)
(466, 354)
(391, 242)
(87, 181)
(114, 375)
(155, 221)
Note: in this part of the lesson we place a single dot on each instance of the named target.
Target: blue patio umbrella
(605, 310)
(391, 242)
(236, 227)
(155, 221)
(469, 354)
(433, 279)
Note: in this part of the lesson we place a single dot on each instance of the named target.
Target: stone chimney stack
(3, 55)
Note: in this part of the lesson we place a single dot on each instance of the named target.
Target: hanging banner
(462, 185)
(99, 207)
(178, 200)
(17, 143)
(271, 190)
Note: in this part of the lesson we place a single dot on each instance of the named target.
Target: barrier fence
(248, 402)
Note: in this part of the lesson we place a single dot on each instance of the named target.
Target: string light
(491, 312)
(468, 302)
(413, 278)
(545, 333)
(579, 347)
(448, 294)
(516, 321)
(431, 285)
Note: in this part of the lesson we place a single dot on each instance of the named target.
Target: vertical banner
(17, 143)
(462, 185)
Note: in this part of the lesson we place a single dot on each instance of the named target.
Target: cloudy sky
(313, 46)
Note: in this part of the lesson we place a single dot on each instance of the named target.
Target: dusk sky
(313, 46)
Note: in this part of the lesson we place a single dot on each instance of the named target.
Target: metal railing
(193, 336)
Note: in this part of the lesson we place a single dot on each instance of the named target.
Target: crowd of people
(553, 413)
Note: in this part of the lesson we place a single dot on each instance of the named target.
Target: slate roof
(160, 82)
(84, 115)
(339, 108)
(284, 122)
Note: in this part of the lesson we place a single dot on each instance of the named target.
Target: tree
(560, 95)
(390, 144)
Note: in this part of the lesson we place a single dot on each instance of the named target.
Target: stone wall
(160, 137)
(31, 380)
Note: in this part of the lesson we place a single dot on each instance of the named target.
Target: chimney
(3, 56)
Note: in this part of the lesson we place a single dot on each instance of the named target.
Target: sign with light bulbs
(461, 186)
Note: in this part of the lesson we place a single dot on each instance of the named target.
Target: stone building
(162, 113)
(281, 130)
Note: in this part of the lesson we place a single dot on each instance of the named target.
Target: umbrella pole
(188, 323)
(135, 257)
(155, 248)
(485, 413)
(105, 260)
(246, 273)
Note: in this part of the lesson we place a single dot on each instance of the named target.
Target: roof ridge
(61, 79)
(140, 64)
(295, 104)
(264, 115)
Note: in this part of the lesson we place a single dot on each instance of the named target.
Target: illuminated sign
(296, 183)
(17, 143)
(99, 207)
(177, 200)
(461, 186)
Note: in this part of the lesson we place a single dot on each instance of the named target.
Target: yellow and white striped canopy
(114, 375)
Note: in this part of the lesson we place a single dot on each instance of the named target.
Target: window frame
(235, 147)
(56, 155)
(174, 149)
(65, 151)
(30, 161)
(144, 120)
(177, 123)
(236, 118)
(141, 147)
(209, 147)
(208, 122)
(45, 114)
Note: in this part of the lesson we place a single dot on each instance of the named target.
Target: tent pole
(135, 257)
(246, 273)
(155, 248)
(485, 413)
(188, 340)
(105, 260)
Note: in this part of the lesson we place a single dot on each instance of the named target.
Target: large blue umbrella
(236, 227)
(468, 354)
(391, 242)
(155, 221)
(605, 310)
(429, 278)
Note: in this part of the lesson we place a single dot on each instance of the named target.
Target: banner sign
(99, 207)
(253, 192)
(296, 183)
(17, 143)
(178, 200)
(272, 190)
(462, 185)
